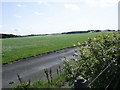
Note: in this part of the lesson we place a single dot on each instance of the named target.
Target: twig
(57, 72)
(60, 70)
(19, 79)
(51, 75)
(47, 75)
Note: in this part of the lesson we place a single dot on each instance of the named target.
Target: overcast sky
(49, 16)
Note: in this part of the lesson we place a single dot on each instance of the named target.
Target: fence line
(110, 82)
(100, 74)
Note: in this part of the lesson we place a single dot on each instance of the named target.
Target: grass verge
(58, 82)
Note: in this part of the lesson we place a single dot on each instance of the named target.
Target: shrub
(94, 56)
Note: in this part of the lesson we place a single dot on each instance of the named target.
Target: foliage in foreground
(94, 56)
(58, 81)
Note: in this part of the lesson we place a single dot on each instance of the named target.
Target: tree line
(72, 32)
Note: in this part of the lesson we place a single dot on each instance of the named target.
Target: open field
(18, 48)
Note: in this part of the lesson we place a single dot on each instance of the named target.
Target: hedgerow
(93, 57)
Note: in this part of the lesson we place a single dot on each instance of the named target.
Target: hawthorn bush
(93, 57)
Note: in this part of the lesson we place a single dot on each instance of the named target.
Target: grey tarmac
(33, 68)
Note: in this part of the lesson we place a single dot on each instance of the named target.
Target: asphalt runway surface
(33, 68)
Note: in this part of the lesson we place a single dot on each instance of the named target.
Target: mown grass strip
(14, 49)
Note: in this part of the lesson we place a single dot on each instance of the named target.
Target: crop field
(14, 49)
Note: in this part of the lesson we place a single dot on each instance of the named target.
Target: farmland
(14, 49)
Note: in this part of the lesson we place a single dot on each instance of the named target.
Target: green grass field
(18, 48)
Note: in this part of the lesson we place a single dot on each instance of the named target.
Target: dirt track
(33, 68)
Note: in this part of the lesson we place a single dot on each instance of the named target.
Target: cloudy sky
(55, 16)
